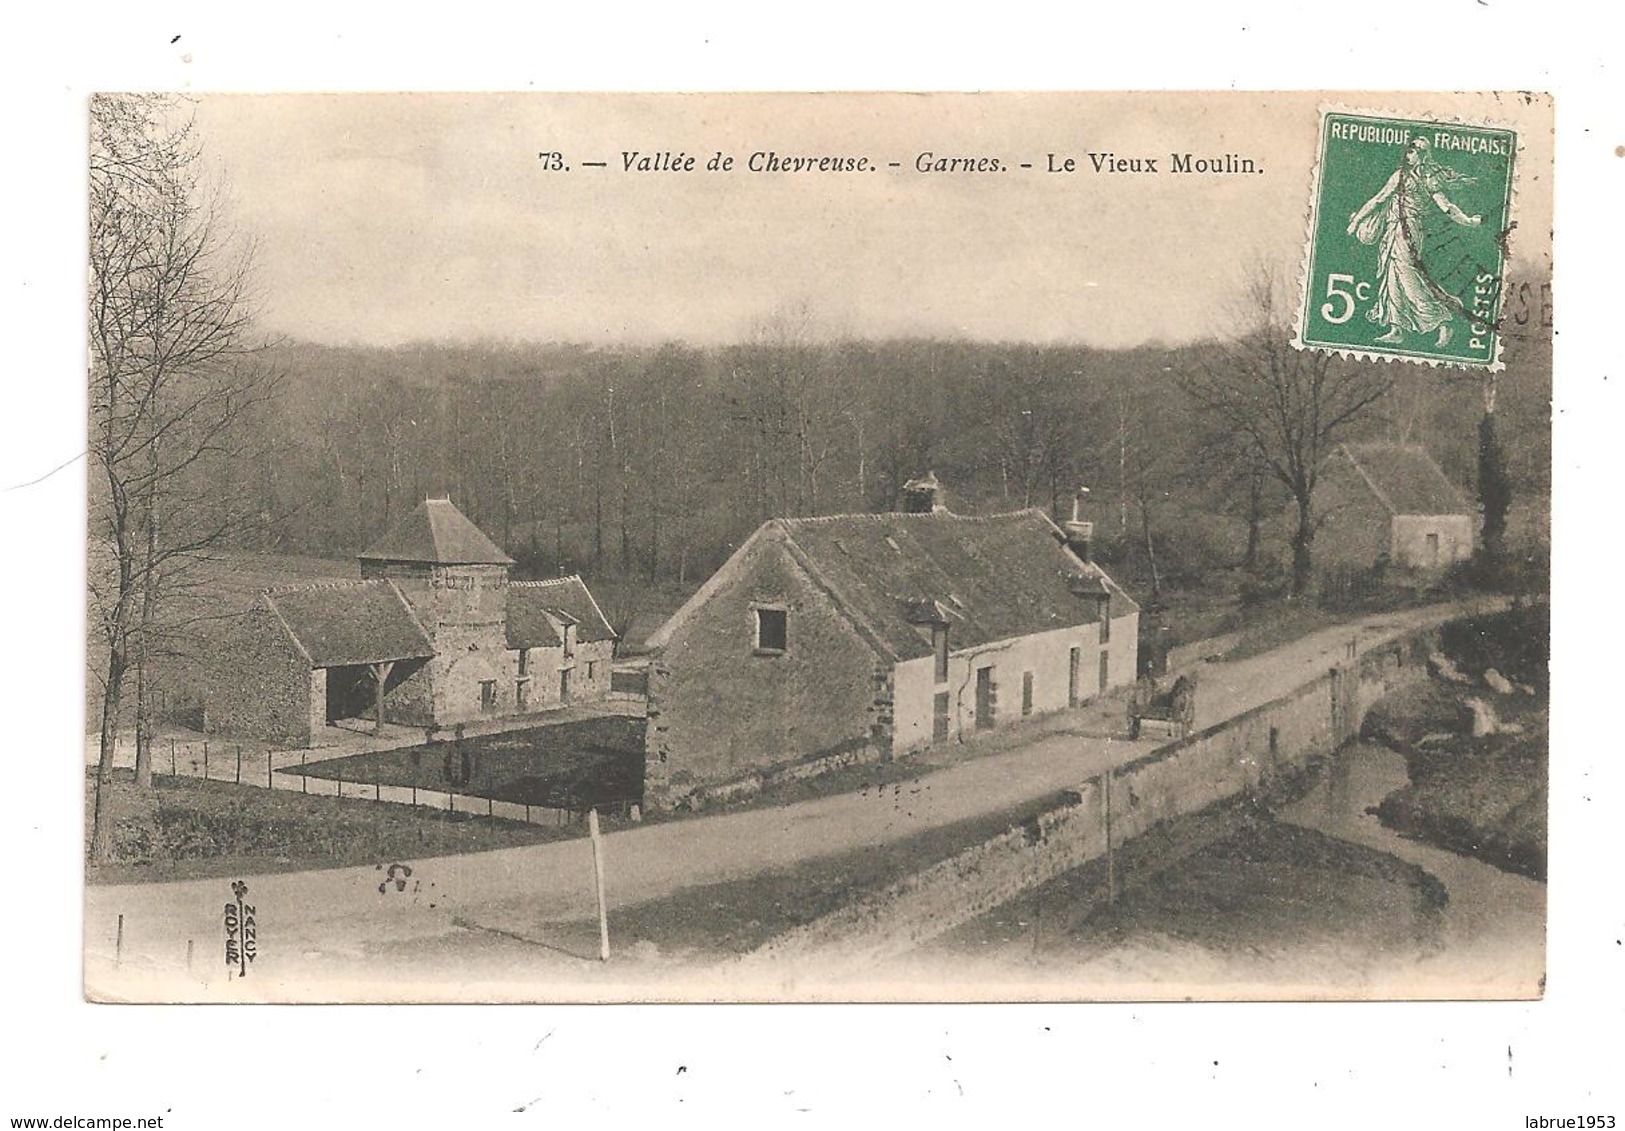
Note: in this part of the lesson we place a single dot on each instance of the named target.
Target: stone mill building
(825, 641)
(433, 634)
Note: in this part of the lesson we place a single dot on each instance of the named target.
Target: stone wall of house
(464, 610)
(1455, 534)
(1122, 651)
(1046, 655)
(590, 678)
(261, 684)
(720, 710)
(466, 656)
(317, 706)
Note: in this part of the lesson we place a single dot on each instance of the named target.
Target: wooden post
(598, 879)
(172, 757)
(239, 765)
(380, 675)
(118, 943)
(1111, 862)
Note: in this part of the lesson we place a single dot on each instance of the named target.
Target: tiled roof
(992, 578)
(536, 608)
(440, 533)
(350, 622)
(1406, 480)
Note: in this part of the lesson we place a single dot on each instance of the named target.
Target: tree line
(654, 462)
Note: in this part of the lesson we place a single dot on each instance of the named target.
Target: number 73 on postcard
(1409, 220)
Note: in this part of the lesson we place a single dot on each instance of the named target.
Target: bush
(1269, 582)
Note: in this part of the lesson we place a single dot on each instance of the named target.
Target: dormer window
(772, 629)
(569, 641)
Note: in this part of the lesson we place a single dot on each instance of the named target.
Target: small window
(939, 717)
(521, 695)
(772, 630)
(939, 645)
(488, 694)
(524, 661)
(1026, 693)
(1106, 620)
(592, 668)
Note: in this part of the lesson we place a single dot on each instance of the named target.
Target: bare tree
(1285, 406)
(175, 378)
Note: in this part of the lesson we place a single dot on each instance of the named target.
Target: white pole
(598, 878)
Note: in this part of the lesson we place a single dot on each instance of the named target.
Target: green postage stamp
(1408, 230)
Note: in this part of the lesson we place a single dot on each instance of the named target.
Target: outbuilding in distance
(1393, 502)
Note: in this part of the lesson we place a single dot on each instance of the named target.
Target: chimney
(1079, 532)
(924, 496)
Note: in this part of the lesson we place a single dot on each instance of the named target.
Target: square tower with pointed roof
(456, 580)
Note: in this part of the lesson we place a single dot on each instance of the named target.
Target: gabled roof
(350, 622)
(439, 533)
(988, 578)
(1405, 479)
(537, 609)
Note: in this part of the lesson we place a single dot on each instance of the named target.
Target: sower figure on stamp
(1407, 298)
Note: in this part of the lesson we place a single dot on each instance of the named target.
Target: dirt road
(138, 937)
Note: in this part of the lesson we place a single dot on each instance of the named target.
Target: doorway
(939, 717)
(984, 698)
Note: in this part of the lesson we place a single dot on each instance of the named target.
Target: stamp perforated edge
(1312, 215)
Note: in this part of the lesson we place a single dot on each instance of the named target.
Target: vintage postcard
(811, 547)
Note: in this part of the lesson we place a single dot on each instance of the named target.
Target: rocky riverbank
(1474, 739)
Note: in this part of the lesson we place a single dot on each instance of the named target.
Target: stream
(1494, 927)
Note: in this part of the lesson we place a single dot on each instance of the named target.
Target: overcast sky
(389, 218)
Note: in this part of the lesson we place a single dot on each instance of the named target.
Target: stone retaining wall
(1245, 754)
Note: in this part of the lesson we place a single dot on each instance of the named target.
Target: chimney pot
(924, 495)
(1080, 533)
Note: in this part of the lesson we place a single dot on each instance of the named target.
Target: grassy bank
(719, 920)
(187, 828)
(1229, 881)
